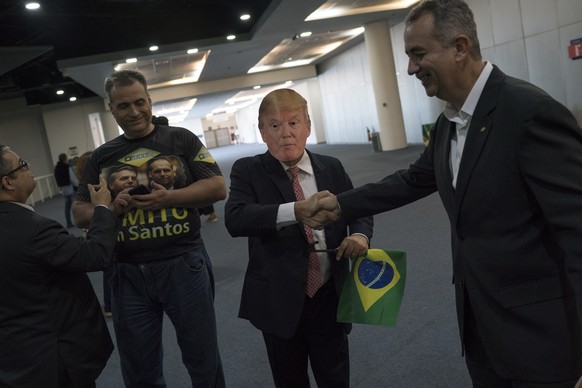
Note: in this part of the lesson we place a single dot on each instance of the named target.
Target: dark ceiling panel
(80, 28)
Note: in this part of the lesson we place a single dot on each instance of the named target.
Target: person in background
(68, 183)
(82, 163)
(162, 264)
(53, 334)
(291, 292)
(506, 159)
(210, 212)
(160, 120)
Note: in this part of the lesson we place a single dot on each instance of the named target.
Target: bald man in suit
(52, 330)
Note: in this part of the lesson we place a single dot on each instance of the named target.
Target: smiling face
(285, 125)
(162, 172)
(432, 63)
(132, 108)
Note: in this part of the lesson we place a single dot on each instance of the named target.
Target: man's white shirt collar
(462, 116)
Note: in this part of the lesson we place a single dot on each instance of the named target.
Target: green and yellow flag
(373, 291)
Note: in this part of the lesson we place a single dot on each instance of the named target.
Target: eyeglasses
(21, 164)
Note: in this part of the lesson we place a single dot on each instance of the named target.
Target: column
(383, 74)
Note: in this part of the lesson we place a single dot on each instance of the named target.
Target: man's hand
(352, 246)
(122, 202)
(315, 213)
(155, 200)
(327, 203)
(100, 194)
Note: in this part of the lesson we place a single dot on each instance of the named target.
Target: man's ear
(5, 184)
(461, 47)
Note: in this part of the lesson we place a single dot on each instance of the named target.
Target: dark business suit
(273, 294)
(50, 319)
(516, 224)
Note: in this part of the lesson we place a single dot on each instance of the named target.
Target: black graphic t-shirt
(170, 156)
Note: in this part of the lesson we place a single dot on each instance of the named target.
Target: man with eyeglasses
(53, 333)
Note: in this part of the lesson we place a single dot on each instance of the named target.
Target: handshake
(318, 210)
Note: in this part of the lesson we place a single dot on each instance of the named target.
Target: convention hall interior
(208, 64)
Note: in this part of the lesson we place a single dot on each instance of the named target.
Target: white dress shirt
(462, 120)
(286, 213)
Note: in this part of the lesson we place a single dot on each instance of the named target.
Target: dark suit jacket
(274, 287)
(516, 224)
(48, 309)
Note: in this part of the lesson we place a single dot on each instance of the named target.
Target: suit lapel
(481, 126)
(279, 177)
(322, 178)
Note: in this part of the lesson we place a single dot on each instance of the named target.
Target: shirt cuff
(362, 234)
(286, 215)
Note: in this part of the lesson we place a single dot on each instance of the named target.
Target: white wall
(67, 125)
(23, 131)
(348, 99)
(527, 39)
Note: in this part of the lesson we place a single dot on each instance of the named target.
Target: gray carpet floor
(422, 351)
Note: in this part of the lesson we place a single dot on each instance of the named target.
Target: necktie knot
(294, 172)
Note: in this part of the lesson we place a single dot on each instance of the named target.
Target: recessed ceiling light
(59, 92)
(131, 60)
(246, 16)
(32, 6)
(256, 87)
(231, 37)
(154, 48)
(192, 51)
(73, 99)
(305, 34)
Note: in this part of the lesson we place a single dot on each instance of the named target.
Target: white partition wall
(347, 97)
(527, 39)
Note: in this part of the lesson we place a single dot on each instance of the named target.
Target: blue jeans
(183, 288)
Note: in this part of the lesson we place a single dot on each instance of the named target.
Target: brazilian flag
(373, 291)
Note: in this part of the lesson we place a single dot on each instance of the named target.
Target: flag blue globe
(375, 274)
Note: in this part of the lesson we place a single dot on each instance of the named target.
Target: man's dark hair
(114, 170)
(450, 18)
(160, 120)
(62, 158)
(124, 78)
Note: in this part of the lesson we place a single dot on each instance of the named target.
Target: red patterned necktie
(313, 272)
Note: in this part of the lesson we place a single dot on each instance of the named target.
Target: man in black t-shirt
(162, 264)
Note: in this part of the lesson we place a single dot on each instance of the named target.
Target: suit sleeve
(550, 158)
(66, 252)
(244, 214)
(393, 191)
(363, 225)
